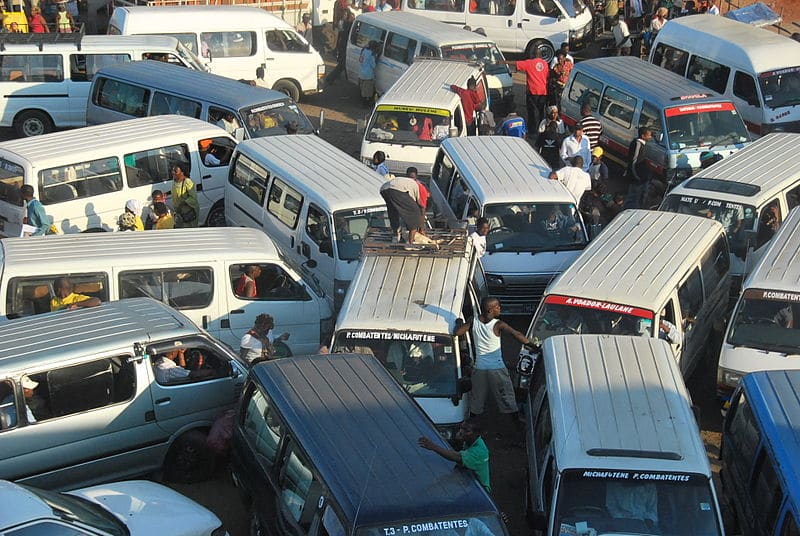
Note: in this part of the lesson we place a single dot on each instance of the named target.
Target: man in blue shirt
(366, 71)
(37, 217)
(513, 125)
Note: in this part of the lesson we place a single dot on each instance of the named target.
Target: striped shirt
(592, 129)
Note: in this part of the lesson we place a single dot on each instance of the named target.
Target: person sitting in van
(576, 145)
(769, 225)
(556, 222)
(667, 331)
(228, 122)
(65, 298)
(479, 236)
(171, 367)
(257, 344)
(474, 456)
(35, 406)
(574, 178)
(442, 130)
(471, 103)
(633, 500)
(424, 130)
(164, 219)
(184, 197)
(245, 286)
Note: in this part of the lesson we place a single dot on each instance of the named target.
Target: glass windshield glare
(764, 320)
(485, 53)
(533, 227)
(701, 125)
(780, 88)
(734, 217)
(563, 315)
(80, 510)
(272, 119)
(350, 227)
(466, 526)
(633, 502)
(409, 125)
(424, 364)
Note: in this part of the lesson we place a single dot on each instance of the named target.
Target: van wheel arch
(288, 87)
(189, 459)
(216, 216)
(29, 123)
(546, 48)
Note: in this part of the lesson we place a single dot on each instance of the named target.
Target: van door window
(299, 490)
(400, 48)
(285, 41)
(165, 104)
(187, 361)
(457, 198)
(690, 297)
(262, 429)
(76, 181)
(768, 222)
(216, 152)
(83, 67)
(318, 229)
(766, 493)
(363, 33)
(250, 178)
(714, 266)
(182, 288)
(671, 58)
(542, 434)
(618, 106)
(711, 74)
(284, 203)
(153, 165)
(744, 87)
(744, 435)
(227, 44)
(8, 406)
(331, 525)
(437, 5)
(83, 387)
(31, 68)
(189, 40)
(543, 8)
(428, 51)
(32, 295)
(443, 171)
(121, 97)
(585, 89)
(793, 197)
(272, 282)
(651, 118)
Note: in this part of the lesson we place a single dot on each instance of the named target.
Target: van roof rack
(446, 243)
(40, 39)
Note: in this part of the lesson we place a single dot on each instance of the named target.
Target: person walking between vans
(36, 216)
(471, 103)
(184, 197)
(367, 61)
(474, 457)
(574, 178)
(637, 172)
(622, 37)
(576, 145)
(536, 73)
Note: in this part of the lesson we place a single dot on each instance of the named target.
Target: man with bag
(36, 215)
(184, 197)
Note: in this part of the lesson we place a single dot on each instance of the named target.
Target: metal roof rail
(444, 243)
(40, 39)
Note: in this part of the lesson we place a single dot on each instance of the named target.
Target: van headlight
(730, 378)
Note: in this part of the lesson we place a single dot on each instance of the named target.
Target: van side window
(153, 165)
(790, 526)
(164, 104)
(543, 8)
(793, 197)
(183, 288)
(428, 51)
(744, 87)
(766, 493)
(272, 283)
(31, 295)
(542, 433)
(714, 266)
(400, 48)
(121, 97)
(585, 89)
(711, 74)
(262, 429)
(83, 67)
(285, 41)
(189, 40)
(227, 44)
(437, 5)
(76, 181)
(188, 361)
(457, 198)
(250, 178)
(671, 59)
(651, 118)
(299, 490)
(690, 297)
(443, 171)
(215, 152)
(83, 387)
(745, 433)
(363, 33)
(618, 106)
(318, 227)
(31, 68)
(768, 222)
(8, 406)
(284, 203)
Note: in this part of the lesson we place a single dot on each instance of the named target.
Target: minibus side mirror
(660, 137)
(321, 118)
(539, 521)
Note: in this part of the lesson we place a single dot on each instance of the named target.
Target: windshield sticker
(426, 527)
(700, 108)
(692, 97)
(268, 107)
(711, 203)
(412, 109)
(772, 295)
(391, 336)
(601, 305)
(369, 210)
(779, 72)
(631, 475)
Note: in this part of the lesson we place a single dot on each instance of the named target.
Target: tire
(32, 123)
(546, 49)
(189, 459)
(216, 216)
(289, 88)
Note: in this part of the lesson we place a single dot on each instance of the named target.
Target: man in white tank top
(490, 371)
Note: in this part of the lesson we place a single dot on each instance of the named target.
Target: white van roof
(743, 45)
(752, 175)
(333, 179)
(622, 405)
(503, 169)
(88, 44)
(779, 267)
(33, 343)
(427, 83)
(72, 253)
(57, 148)
(187, 18)
(636, 259)
(424, 29)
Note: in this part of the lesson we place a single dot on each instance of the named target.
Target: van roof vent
(40, 39)
(443, 243)
(631, 453)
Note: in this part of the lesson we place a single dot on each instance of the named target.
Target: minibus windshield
(81, 511)
(272, 119)
(736, 218)
(533, 227)
(351, 226)
(486, 53)
(462, 526)
(764, 320)
(635, 502)
(423, 363)
(564, 315)
(11, 179)
(409, 125)
(780, 88)
(707, 124)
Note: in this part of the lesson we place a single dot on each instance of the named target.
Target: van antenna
(364, 490)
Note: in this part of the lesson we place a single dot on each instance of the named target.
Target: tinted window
(766, 493)
(285, 41)
(585, 89)
(714, 266)
(400, 48)
(154, 165)
(792, 196)
(690, 297)
(83, 67)
(32, 295)
(12, 176)
(121, 97)
(299, 491)
(76, 181)
(651, 118)
(250, 178)
(670, 58)
(227, 44)
(262, 429)
(790, 526)
(744, 87)
(273, 283)
(183, 288)
(709, 73)
(318, 227)
(437, 5)
(618, 106)
(164, 104)
(284, 203)
(8, 406)
(542, 8)
(363, 33)
(542, 433)
(31, 68)
(744, 433)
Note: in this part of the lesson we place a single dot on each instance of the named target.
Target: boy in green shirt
(474, 457)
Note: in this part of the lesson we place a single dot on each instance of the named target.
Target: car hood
(147, 508)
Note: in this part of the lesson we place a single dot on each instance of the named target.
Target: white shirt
(673, 337)
(575, 180)
(560, 128)
(713, 10)
(230, 127)
(479, 242)
(253, 346)
(384, 7)
(572, 147)
(167, 371)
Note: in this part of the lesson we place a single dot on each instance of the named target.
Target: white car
(132, 508)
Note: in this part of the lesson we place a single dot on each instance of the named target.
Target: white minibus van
(45, 78)
(418, 112)
(196, 271)
(749, 193)
(313, 200)
(645, 267)
(84, 177)
(404, 36)
(758, 69)
(764, 331)
(505, 180)
(517, 26)
(234, 41)
(139, 89)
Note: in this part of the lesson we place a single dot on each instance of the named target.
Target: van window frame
(103, 99)
(26, 68)
(714, 266)
(269, 466)
(77, 279)
(86, 75)
(162, 173)
(285, 192)
(764, 481)
(739, 91)
(678, 66)
(711, 67)
(196, 270)
(588, 92)
(225, 49)
(613, 96)
(310, 507)
(282, 281)
(690, 309)
(256, 186)
(9, 414)
(174, 105)
(741, 423)
(80, 187)
(651, 117)
(356, 34)
(395, 52)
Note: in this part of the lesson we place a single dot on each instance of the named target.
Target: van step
(440, 243)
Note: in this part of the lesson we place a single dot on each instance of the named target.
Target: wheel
(216, 216)
(546, 50)
(32, 123)
(289, 88)
(189, 459)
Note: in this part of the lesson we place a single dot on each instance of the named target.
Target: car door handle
(162, 401)
(205, 177)
(237, 312)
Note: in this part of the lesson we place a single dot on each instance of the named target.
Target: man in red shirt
(536, 73)
(471, 102)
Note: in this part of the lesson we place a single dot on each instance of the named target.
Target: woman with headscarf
(131, 219)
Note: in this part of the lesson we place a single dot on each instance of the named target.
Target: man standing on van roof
(401, 195)
(474, 457)
(65, 298)
(536, 74)
(470, 101)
